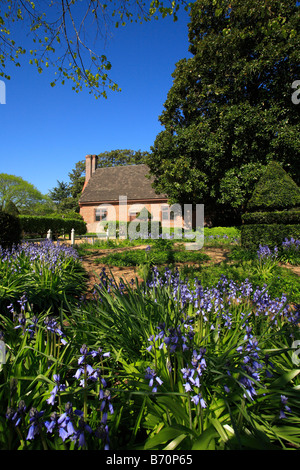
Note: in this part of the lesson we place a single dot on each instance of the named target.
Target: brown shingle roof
(109, 183)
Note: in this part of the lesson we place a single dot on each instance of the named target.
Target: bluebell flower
(79, 434)
(15, 416)
(51, 325)
(36, 423)
(65, 422)
(53, 423)
(22, 302)
(285, 408)
(152, 377)
(58, 387)
(105, 396)
(198, 400)
(103, 434)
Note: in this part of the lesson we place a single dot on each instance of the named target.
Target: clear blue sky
(44, 131)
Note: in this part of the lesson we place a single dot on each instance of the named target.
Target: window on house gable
(166, 214)
(132, 215)
(100, 214)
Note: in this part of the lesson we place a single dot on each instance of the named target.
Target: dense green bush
(122, 228)
(272, 212)
(10, 230)
(275, 191)
(39, 224)
(278, 217)
(267, 234)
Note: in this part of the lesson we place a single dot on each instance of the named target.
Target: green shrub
(267, 234)
(11, 208)
(278, 217)
(10, 230)
(122, 228)
(276, 190)
(272, 212)
(39, 224)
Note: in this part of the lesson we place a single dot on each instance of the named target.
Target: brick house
(120, 193)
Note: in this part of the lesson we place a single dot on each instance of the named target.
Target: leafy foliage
(229, 111)
(48, 276)
(275, 190)
(272, 220)
(10, 230)
(24, 196)
(57, 224)
(59, 40)
(164, 365)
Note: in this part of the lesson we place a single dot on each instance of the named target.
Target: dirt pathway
(217, 255)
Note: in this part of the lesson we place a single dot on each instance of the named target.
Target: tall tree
(23, 195)
(64, 33)
(60, 192)
(121, 157)
(229, 111)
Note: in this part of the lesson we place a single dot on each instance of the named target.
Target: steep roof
(109, 183)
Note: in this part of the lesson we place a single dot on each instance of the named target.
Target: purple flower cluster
(16, 416)
(173, 338)
(219, 307)
(251, 363)
(265, 253)
(57, 388)
(31, 325)
(193, 373)
(291, 244)
(71, 424)
(49, 254)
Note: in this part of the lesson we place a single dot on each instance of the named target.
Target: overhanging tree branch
(59, 33)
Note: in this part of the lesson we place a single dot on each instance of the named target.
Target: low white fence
(74, 237)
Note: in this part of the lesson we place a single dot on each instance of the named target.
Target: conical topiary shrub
(275, 191)
(273, 211)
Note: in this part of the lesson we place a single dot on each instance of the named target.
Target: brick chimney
(90, 167)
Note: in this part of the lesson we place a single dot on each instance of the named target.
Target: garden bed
(188, 356)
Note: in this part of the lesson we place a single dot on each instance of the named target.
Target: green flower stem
(190, 411)
(22, 441)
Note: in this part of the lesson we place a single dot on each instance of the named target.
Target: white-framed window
(166, 214)
(100, 214)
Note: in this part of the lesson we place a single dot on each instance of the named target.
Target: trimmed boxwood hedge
(39, 224)
(10, 230)
(279, 217)
(273, 210)
(276, 190)
(253, 235)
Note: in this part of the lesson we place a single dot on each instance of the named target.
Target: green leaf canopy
(229, 111)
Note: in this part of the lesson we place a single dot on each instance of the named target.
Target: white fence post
(49, 234)
(72, 237)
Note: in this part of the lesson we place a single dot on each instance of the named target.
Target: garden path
(217, 255)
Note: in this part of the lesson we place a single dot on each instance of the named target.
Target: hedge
(253, 235)
(279, 217)
(137, 225)
(38, 224)
(10, 230)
